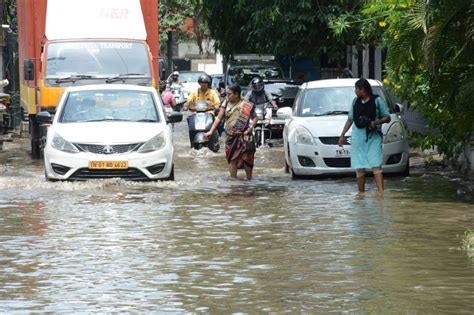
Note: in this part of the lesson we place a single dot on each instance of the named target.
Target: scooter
(200, 122)
(263, 132)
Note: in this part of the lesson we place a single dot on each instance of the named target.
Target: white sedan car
(109, 131)
(314, 124)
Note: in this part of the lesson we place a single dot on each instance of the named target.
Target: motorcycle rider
(168, 98)
(174, 78)
(203, 94)
(257, 93)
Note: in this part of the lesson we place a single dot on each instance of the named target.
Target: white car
(316, 121)
(109, 131)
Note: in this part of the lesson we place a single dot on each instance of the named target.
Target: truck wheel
(35, 138)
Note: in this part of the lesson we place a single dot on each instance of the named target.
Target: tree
(173, 14)
(279, 27)
(429, 62)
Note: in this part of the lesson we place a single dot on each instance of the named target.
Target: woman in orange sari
(240, 120)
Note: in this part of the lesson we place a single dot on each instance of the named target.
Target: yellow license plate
(100, 165)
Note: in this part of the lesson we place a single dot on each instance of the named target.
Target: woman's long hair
(364, 84)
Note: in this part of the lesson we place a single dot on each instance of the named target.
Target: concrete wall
(191, 50)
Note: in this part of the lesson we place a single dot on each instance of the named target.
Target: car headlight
(303, 136)
(394, 133)
(155, 143)
(59, 143)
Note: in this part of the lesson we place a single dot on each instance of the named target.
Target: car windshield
(215, 81)
(282, 89)
(242, 75)
(189, 76)
(329, 100)
(98, 59)
(109, 105)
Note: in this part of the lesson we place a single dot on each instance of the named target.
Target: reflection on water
(205, 243)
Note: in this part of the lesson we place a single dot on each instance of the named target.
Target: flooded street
(208, 244)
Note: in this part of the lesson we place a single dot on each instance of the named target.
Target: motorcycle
(263, 131)
(176, 89)
(200, 122)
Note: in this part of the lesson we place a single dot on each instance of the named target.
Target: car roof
(282, 81)
(188, 71)
(337, 83)
(92, 87)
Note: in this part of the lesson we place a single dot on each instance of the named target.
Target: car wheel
(294, 176)
(406, 172)
(287, 168)
(171, 177)
(48, 179)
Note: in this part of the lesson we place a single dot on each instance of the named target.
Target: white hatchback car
(109, 131)
(314, 124)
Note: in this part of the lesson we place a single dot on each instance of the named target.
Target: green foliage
(279, 27)
(468, 243)
(429, 62)
(173, 14)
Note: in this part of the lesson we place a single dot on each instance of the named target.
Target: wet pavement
(208, 244)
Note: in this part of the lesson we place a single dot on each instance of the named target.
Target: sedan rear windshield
(109, 105)
(242, 75)
(330, 100)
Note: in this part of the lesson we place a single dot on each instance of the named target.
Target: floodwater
(208, 244)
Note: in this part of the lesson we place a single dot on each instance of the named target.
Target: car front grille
(334, 140)
(132, 174)
(337, 162)
(107, 149)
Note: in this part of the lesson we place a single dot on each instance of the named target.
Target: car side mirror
(29, 70)
(399, 108)
(285, 112)
(44, 118)
(174, 117)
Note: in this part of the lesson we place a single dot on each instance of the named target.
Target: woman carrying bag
(368, 112)
(240, 120)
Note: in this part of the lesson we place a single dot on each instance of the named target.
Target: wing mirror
(174, 117)
(399, 108)
(285, 112)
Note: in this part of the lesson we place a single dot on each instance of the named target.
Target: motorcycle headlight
(394, 133)
(59, 143)
(259, 112)
(303, 136)
(155, 143)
